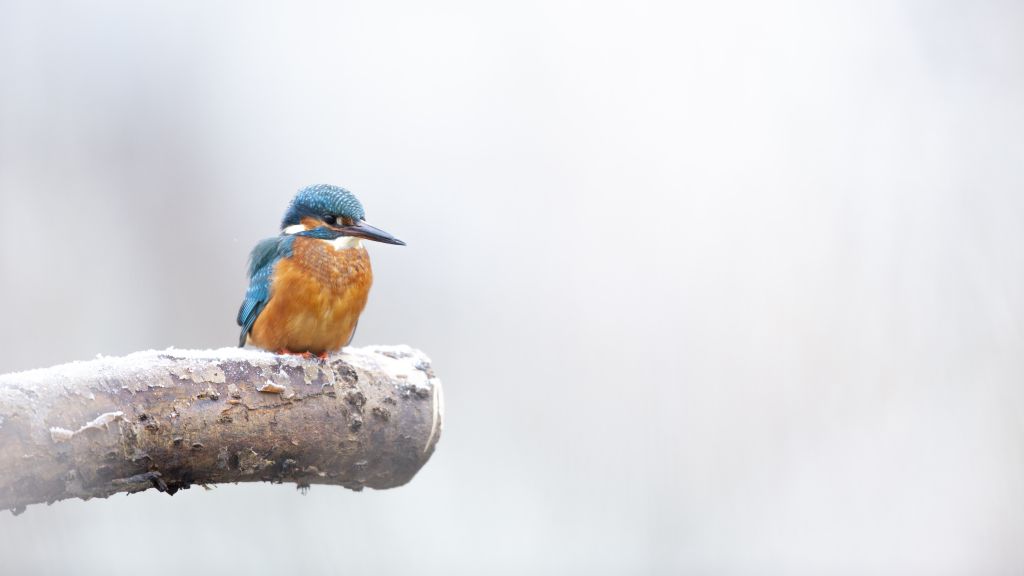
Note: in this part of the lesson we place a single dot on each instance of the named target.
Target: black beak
(363, 230)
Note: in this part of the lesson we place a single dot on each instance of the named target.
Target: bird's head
(329, 212)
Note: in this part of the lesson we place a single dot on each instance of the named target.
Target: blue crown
(321, 200)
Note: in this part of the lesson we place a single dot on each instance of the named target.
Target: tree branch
(366, 417)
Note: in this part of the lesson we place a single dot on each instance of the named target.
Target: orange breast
(315, 299)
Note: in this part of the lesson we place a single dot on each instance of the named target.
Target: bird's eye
(330, 220)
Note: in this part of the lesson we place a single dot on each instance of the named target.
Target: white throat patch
(345, 242)
(339, 243)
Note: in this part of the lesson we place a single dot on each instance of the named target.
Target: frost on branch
(169, 419)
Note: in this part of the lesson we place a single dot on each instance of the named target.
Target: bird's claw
(307, 355)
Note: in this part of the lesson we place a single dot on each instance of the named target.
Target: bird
(308, 286)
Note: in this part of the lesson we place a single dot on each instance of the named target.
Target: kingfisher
(308, 286)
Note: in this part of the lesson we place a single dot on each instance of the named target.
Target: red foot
(323, 356)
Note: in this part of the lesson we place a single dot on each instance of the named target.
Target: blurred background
(713, 288)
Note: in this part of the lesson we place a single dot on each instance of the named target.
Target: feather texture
(262, 261)
(317, 295)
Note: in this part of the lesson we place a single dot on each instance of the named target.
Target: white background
(714, 288)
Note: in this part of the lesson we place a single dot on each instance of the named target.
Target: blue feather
(321, 200)
(264, 257)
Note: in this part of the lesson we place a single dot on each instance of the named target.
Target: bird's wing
(261, 267)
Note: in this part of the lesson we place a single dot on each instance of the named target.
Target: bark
(168, 420)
